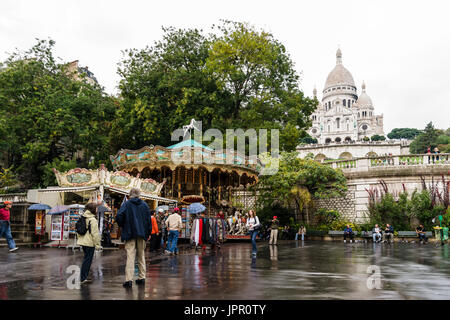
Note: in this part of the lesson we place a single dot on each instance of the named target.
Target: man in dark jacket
(388, 234)
(135, 220)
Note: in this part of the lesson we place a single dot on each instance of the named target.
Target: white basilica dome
(339, 75)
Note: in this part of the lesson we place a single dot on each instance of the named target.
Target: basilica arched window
(348, 102)
(337, 123)
(344, 103)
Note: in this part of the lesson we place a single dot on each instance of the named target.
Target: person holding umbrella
(5, 225)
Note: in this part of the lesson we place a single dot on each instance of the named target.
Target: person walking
(253, 226)
(174, 226)
(274, 230)
(135, 220)
(5, 225)
(155, 233)
(90, 241)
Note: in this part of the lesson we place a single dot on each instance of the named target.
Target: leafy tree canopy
(45, 113)
(239, 77)
(403, 133)
(377, 137)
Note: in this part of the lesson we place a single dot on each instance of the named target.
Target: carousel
(212, 181)
(194, 173)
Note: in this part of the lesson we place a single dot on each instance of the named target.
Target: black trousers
(422, 237)
(87, 261)
(155, 242)
(348, 235)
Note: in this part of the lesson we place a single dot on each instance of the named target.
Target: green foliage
(403, 133)
(377, 137)
(7, 180)
(239, 78)
(297, 180)
(49, 178)
(325, 216)
(45, 114)
(428, 138)
(366, 139)
(340, 225)
(285, 216)
(307, 139)
(388, 210)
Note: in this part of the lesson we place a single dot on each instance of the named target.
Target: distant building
(342, 115)
(80, 72)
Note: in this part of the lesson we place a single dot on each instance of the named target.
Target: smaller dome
(364, 99)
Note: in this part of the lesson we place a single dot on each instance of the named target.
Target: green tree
(255, 69)
(297, 181)
(240, 79)
(377, 137)
(424, 140)
(403, 133)
(45, 113)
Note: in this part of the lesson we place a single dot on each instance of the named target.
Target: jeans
(376, 236)
(303, 236)
(5, 231)
(172, 241)
(87, 261)
(253, 235)
(422, 237)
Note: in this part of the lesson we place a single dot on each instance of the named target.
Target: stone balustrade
(367, 163)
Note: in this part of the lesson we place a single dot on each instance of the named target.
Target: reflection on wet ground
(290, 270)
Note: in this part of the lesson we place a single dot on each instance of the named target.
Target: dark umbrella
(58, 210)
(39, 206)
(196, 208)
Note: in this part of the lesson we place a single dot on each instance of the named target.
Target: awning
(142, 196)
(68, 189)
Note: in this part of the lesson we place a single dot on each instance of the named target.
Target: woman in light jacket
(90, 241)
(253, 226)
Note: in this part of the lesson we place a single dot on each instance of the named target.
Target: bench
(334, 233)
(412, 234)
(316, 233)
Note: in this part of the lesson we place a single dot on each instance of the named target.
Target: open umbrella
(196, 208)
(164, 207)
(39, 206)
(58, 210)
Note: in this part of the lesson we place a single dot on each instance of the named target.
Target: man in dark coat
(135, 220)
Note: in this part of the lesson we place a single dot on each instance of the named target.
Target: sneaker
(127, 284)
(254, 254)
(85, 281)
(13, 249)
(345, 241)
(167, 252)
(351, 241)
(140, 281)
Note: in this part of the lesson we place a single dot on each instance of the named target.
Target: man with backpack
(135, 220)
(88, 237)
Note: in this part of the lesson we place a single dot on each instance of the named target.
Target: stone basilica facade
(342, 115)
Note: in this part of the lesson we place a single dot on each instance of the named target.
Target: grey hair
(135, 193)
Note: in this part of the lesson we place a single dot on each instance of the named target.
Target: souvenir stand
(60, 224)
(39, 228)
(75, 212)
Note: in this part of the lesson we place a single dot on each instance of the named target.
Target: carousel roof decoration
(185, 153)
(119, 181)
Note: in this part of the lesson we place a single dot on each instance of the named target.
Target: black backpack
(81, 226)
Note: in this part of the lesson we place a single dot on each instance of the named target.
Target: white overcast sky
(401, 49)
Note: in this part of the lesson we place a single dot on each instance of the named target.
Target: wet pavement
(291, 270)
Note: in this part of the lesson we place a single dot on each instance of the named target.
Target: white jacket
(252, 223)
(174, 222)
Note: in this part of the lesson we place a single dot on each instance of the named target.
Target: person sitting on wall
(348, 232)
(421, 233)
(388, 235)
(376, 233)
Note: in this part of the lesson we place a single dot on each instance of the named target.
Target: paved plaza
(292, 270)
